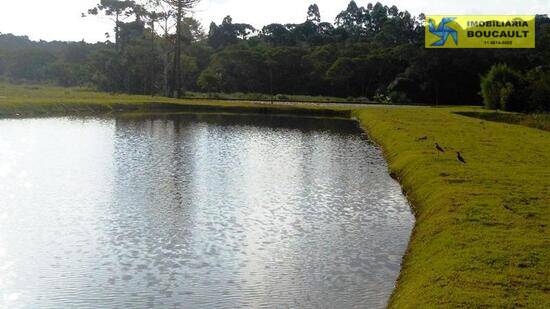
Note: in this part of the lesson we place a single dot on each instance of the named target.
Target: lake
(197, 211)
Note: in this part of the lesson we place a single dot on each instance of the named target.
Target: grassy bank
(482, 237)
(29, 100)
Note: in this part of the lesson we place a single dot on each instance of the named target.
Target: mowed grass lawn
(481, 237)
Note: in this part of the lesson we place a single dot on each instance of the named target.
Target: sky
(61, 20)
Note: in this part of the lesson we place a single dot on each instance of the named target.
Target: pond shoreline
(64, 109)
(271, 209)
(462, 228)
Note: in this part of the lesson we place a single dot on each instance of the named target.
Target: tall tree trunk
(117, 30)
(166, 61)
(151, 61)
(166, 73)
(177, 56)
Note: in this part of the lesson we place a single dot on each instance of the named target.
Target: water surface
(188, 211)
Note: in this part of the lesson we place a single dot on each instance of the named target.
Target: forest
(375, 52)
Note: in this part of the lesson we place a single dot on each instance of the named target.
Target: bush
(281, 97)
(214, 95)
(257, 97)
(382, 98)
(504, 88)
(399, 97)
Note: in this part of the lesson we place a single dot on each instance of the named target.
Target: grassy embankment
(29, 100)
(482, 237)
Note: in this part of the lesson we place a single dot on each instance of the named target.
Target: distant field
(33, 99)
(482, 237)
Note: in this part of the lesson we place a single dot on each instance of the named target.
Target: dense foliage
(501, 88)
(507, 89)
(372, 52)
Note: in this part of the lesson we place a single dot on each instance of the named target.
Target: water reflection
(196, 211)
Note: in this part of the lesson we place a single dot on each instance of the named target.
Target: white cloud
(60, 19)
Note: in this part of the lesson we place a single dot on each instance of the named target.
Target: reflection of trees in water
(150, 221)
(241, 203)
(301, 123)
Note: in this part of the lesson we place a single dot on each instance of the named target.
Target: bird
(439, 149)
(460, 158)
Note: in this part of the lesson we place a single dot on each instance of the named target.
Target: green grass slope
(481, 237)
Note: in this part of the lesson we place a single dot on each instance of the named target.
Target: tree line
(374, 52)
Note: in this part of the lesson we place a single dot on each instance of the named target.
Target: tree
(153, 18)
(228, 33)
(108, 67)
(29, 64)
(179, 7)
(236, 69)
(538, 89)
(288, 69)
(277, 34)
(340, 74)
(2, 64)
(162, 15)
(117, 10)
(67, 74)
(313, 14)
(320, 59)
(372, 50)
(502, 89)
(378, 16)
(352, 19)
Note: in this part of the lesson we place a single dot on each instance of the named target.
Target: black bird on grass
(439, 149)
(460, 158)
